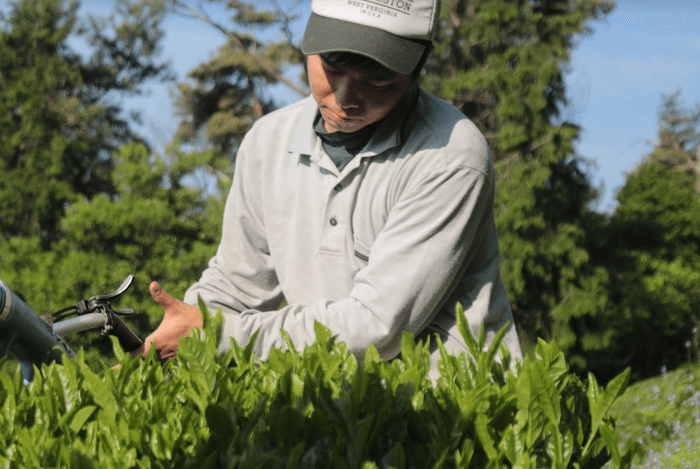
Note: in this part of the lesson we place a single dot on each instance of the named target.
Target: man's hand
(179, 319)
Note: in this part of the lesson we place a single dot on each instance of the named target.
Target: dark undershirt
(341, 146)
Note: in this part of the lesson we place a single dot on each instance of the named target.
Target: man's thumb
(161, 296)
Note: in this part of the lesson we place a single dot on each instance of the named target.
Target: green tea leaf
(465, 331)
(396, 457)
(481, 425)
(323, 335)
(611, 439)
(288, 341)
(508, 445)
(545, 392)
(554, 446)
(496, 344)
(9, 404)
(117, 349)
(600, 402)
(193, 353)
(100, 393)
(464, 457)
(408, 348)
(82, 416)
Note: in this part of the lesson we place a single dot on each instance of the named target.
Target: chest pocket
(362, 253)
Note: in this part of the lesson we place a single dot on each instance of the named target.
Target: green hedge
(317, 408)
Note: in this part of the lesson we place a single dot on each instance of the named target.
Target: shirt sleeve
(241, 275)
(425, 247)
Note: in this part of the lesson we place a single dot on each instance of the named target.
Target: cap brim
(397, 53)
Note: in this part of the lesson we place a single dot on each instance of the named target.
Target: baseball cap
(394, 33)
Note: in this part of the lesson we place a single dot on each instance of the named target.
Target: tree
(58, 127)
(678, 148)
(651, 248)
(502, 63)
(231, 90)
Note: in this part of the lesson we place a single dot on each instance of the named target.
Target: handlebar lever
(97, 302)
(101, 299)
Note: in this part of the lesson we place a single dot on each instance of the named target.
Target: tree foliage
(651, 247)
(154, 227)
(228, 92)
(678, 147)
(57, 125)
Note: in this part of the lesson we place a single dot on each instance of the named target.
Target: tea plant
(316, 408)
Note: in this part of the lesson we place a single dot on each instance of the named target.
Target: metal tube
(79, 324)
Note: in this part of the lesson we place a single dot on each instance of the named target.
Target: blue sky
(643, 49)
(617, 75)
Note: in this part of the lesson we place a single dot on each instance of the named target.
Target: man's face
(350, 98)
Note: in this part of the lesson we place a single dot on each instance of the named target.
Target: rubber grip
(127, 338)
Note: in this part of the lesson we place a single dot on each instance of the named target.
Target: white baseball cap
(394, 33)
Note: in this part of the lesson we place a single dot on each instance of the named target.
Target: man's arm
(241, 275)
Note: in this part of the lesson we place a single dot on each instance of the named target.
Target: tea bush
(314, 408)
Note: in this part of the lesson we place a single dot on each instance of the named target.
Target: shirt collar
(387, 136)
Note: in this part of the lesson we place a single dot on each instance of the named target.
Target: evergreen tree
(57, 126)
(678, 148)
(231, 90)
(651, 247)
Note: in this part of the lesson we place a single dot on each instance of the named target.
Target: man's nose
(347, 94)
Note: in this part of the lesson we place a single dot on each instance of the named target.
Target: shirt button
(338, 188)
(333, 222)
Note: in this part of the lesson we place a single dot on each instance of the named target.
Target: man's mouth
(342, 116)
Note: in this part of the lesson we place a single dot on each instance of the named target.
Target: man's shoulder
(443, 130)
(444, 120)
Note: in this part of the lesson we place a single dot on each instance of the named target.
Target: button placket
(333, 220)
(333, 237)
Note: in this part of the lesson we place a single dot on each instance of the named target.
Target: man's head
(365, 55)
(352, 91)
(394, 33)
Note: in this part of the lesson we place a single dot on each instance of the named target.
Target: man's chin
(346, 126)
(335, 124)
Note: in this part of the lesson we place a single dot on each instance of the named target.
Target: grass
(661, 416)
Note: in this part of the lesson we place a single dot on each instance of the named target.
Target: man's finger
(161, 296)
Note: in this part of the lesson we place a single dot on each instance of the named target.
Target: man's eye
(331, 71)
(328, 67)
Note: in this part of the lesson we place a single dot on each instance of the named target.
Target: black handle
(127, 338)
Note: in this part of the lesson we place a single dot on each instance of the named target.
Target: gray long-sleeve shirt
(388, 244)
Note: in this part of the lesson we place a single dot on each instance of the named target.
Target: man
(367, 207)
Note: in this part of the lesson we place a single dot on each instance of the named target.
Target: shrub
(313, 408)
